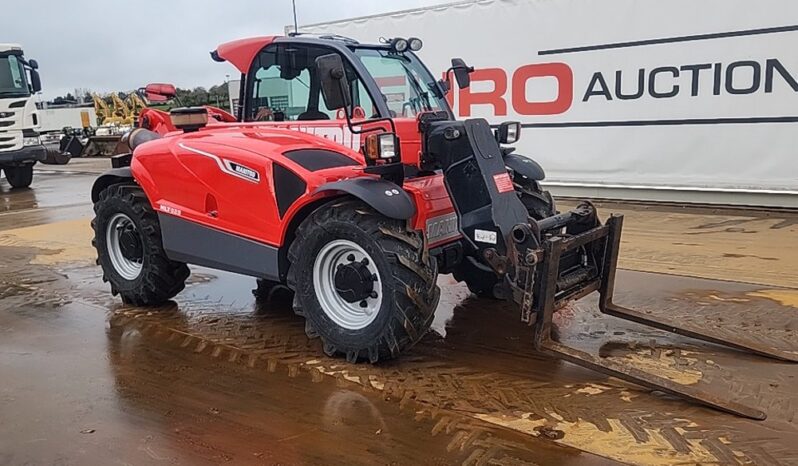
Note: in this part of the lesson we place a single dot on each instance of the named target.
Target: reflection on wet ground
(223, 376)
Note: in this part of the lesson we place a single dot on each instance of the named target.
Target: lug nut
(373, 295)
(365, 261)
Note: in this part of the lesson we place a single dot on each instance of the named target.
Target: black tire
(20, 176)
(266, 289)
(407, 281)
(479, 278)
(160, 278)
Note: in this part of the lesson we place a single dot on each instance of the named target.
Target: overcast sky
(115, 45)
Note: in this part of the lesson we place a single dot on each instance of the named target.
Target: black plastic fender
(385, 197)
(525, 166)
(113, 176)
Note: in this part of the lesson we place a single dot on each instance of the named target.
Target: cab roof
(240, 53)
(7, 47)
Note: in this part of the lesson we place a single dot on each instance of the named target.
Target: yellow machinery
(119, 112)
(135, 103)
(113, 119)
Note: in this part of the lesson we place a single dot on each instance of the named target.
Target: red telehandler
(348, 179)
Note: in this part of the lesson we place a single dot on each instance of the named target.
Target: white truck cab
(20, 146)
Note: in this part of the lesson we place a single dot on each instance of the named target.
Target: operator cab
(282, 83)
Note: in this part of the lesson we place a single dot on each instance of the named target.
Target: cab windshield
(13, 82)
(406, 85)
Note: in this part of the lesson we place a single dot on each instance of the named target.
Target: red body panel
(189, 175)
(240, 53)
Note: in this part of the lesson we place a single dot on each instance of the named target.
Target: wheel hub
(124, 246)
(347, 284)
(130, 243)
(354, 282)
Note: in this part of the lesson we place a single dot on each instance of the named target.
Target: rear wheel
(479, 278)
(127, 236)
(20, 176)
(363, 282)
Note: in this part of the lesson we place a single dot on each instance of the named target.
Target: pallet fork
(551, 291)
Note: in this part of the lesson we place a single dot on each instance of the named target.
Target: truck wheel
(363, 282)
(127, 236)
(480, 279)
(19, 176)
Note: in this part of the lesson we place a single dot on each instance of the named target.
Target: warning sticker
(484, 236)
(504, 183)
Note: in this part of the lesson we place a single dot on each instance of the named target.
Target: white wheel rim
(127, 268)
(351, 316)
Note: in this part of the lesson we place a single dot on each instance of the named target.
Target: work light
(415, 44)
(399, 45)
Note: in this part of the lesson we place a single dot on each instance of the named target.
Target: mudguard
(385, 197)
(113, 176)
(525, 166)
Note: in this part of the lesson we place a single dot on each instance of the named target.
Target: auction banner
(678, 94)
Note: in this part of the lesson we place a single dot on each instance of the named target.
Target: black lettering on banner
(641, 85)
(755, 81)
(718, 74)
(774, 64)
(652, 82)
(597, 78)
(695, 74)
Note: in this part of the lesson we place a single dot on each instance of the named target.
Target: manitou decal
(340, 134)
(442, 228)
(227, 166)
(509, 91)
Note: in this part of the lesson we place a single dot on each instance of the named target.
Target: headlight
(508, 132)
(381, 146)
(31, 141)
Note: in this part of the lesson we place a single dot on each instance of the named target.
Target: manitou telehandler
(348, 179)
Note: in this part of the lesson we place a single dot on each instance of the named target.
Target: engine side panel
(224, 178)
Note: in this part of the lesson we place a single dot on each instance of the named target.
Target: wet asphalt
(222, 376)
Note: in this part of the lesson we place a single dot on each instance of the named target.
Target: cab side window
(284, 85)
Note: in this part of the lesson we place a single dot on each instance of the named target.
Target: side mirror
(462, 72)
(35, 80)
(33, 64)
(332, 76)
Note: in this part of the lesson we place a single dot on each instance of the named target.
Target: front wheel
(19, 176)
(363, 282)
(127, 236)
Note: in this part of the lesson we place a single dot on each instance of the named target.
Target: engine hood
(272, 141)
